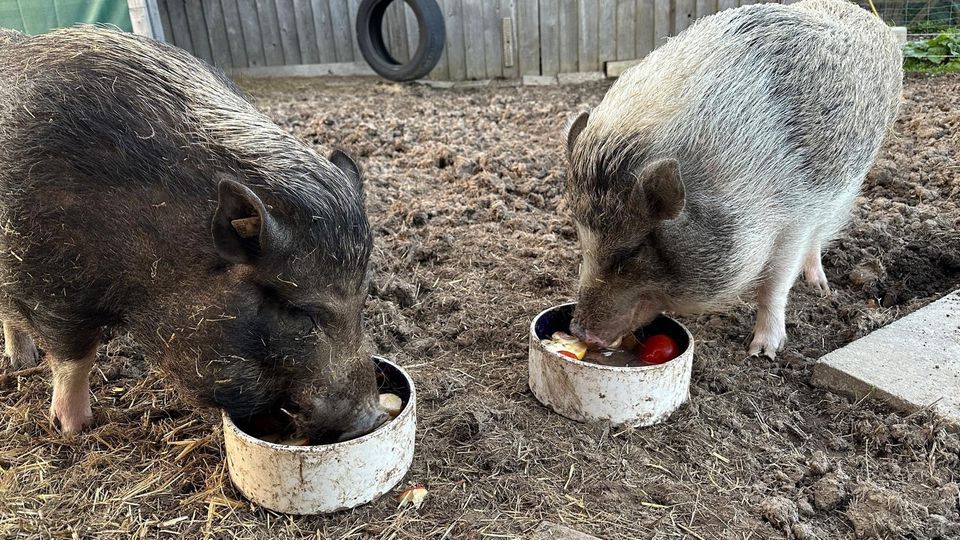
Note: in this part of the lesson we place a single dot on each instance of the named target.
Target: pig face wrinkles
(603, 315)
(333, 394)
(623, 284)
(306, 357)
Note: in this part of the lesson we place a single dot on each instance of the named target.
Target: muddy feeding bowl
(624, 396)
(330, 477)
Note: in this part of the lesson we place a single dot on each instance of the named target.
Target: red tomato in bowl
(658, 349)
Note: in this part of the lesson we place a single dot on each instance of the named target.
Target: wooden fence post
(145, 18)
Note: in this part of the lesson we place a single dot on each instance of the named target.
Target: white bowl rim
(393, 424)
(618, 369)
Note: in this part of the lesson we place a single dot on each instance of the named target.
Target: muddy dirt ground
(464, 191)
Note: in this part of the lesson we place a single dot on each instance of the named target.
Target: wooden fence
(485, 38)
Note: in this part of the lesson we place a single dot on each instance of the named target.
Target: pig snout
(341, 408)
(588, 337)
(343, 421)
(365, 423)
(600, 328)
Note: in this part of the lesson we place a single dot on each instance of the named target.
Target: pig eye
(318, 315)
(623, 256)
(298, 311)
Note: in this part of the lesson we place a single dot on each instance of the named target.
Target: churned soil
(472, 240)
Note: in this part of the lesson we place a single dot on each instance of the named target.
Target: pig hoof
(71, 420)
(766, 345)
(814, 275)
(821, 285)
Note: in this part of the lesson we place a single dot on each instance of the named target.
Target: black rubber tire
(375, 52)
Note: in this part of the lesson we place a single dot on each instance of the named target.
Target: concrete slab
(539, 80)
(481, 83)
(910, 364)
(435, 84)
(580, 77)
(615, 69)
(344, 69)
(552, 531)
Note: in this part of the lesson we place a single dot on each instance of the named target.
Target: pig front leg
(71, 392)
(19, 347)
(770, 332)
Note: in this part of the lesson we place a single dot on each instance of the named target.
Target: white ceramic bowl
(624, 396)
(331, 477)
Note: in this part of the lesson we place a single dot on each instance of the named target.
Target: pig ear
(242, 227)
(349, 167)
(661, 189)
(575, 125)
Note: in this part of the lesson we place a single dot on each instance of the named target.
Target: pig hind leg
(770, 331)
(70, 406)
(832, 223)
(813, 269)
(19, 347)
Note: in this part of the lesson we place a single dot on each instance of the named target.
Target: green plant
(938, 54)
(928, 27)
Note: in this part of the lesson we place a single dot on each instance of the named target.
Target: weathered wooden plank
(569, 34)
(473, 39)
(607, 30)
(353, 7)
(323, 30)
(342, 31)
(528, 36)
(179, 28)
(289, 42)
(306, 32)
(549, 37)
(646, 34)
(385, 30)
(153, 12)
(397, 31)
(198, 31)
(441, 72)
(250, 29)
(726, 4)
(686, 10)
(412, 29)
(706, 7)
(165, 22)
(217, 32)
(456, 49)
(662, 21)
(508, 33)
(588, 36)
(492, 40)
(140, 20)
(626, 29)
(234, 28)
(270, 32)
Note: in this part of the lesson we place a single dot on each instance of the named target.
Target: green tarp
(40, 16)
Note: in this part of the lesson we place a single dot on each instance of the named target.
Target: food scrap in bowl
(629, 351)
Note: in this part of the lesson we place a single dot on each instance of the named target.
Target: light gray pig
(725, 161)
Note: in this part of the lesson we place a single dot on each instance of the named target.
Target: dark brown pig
(140, 189)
